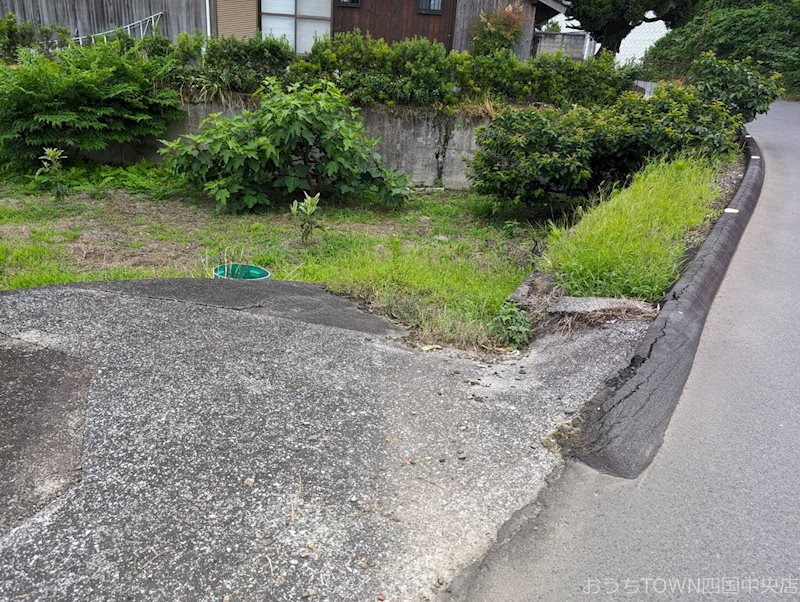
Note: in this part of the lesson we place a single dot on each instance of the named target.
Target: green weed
(634, 243)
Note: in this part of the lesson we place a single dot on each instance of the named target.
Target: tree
(610, 21)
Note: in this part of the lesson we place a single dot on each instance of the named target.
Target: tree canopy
(610, 21)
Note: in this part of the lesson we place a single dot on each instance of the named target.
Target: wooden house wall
(85, 17)
(396, 20)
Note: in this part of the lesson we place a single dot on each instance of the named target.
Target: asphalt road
(716, 514)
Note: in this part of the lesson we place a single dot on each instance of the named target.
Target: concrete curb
(623, 425)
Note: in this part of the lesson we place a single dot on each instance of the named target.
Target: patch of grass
(437, 265)
(634, 243)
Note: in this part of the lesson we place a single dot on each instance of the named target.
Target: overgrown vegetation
(634, 243)
(85, 99)
(304, 139)
(438, 265)
(512, 326)
(538, 155)
(16, 36)
(499, 30)
(738, 85)
(766, 30)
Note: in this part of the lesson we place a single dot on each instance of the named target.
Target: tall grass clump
(634, 243)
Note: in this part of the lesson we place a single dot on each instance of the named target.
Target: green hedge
(420, 72)
(209, 69)
(531, 155)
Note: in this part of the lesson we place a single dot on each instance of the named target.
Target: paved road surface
(204, 440)
(721, 501)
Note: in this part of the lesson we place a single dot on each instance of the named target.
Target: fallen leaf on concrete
(430, 347)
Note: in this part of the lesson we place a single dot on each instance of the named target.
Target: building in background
(299, 21)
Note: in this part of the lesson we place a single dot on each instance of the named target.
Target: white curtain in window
(314, 8)
(308, 30)
(278, 27)
(285, 7)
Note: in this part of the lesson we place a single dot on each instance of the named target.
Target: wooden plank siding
(395, 20)
(86, 17)
(240, 18)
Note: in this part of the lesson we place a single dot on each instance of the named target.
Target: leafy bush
(675, 120)
(524, 155)
(500, 30)
(304, 139)
(766, 31)
(634, 243)
(737, 84)
(512, 326)
(529, 155)
(82, 100)
(15, 35)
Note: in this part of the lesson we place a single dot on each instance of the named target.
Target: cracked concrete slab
(259, 454)
(589, 307)
(42, 401)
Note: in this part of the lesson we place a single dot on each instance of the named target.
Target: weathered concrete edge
(623, 425)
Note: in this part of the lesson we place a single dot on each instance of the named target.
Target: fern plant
(82, 100)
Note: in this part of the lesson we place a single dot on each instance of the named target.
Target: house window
(350, 3)
(430, 7)
(299, 21)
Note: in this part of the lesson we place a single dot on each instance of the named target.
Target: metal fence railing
(137, 29)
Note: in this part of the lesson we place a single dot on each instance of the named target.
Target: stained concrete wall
(428, 146)
(574, 44)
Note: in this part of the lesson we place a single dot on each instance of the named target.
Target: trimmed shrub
(227, 65)
(421, 72)
(83, 99)
(531, 155)
(304, 139)
(676, 119)
(526, 155)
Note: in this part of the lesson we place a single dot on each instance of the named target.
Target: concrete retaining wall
(427, 145)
